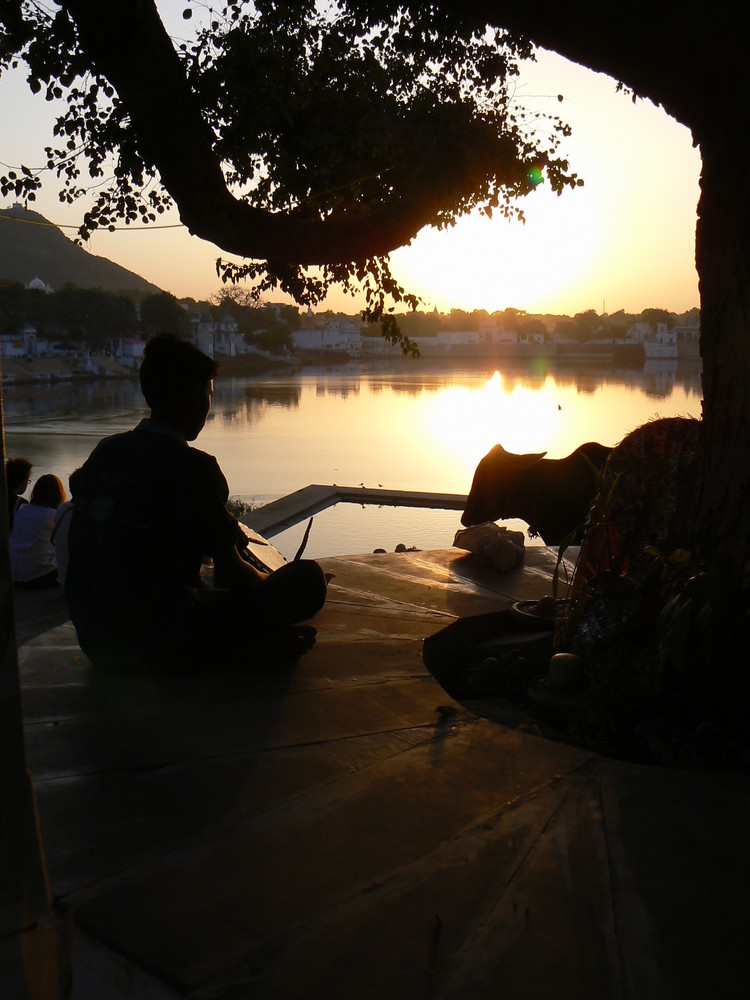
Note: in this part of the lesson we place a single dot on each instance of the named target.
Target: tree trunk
(35, 955)
(723, 260)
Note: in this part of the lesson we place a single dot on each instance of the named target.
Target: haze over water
(405, 425)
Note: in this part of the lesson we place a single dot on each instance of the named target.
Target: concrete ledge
(280, 514)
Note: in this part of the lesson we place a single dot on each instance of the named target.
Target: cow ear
(527, 461)
(512, 460)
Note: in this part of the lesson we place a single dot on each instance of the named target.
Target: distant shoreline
(45, 371)
(56, 370)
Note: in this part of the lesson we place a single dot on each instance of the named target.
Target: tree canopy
(162, 312)
(291, 134)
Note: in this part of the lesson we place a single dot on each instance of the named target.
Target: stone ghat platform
(343, 829)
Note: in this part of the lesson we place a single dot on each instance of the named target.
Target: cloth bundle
(494, 544)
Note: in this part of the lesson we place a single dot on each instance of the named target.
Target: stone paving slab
(346, 829)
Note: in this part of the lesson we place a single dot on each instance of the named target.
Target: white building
(25, 344)
(455, 338)
(129, 351)
(219, 337)
(36, 284)
(659, 334)
(663, 335)
(688, 333)
(12, 346)
(337, 335)
(500, 337)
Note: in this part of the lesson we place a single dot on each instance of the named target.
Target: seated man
(148, 509)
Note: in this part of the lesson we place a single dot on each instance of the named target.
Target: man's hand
(232, 572)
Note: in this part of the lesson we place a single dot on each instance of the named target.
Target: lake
(401, 424)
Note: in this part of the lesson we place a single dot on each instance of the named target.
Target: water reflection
(73, 400)
(411, 425)
(237, 401)
(286, 395)
(343, 389)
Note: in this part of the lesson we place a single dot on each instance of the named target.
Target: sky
(625, 240)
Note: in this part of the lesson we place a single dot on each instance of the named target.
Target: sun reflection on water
(467, 421)
(413, 427)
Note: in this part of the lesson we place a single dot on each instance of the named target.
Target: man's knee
(311, 580)
(299, 589)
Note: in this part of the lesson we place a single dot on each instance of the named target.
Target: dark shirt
(148, 509)
(14, 505)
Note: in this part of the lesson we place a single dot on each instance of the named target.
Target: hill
(31, 247)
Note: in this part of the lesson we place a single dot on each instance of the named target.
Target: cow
(551, 494)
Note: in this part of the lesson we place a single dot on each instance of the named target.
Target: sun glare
(491, 264)
(467, 422)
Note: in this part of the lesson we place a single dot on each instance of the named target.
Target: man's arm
(233, 572)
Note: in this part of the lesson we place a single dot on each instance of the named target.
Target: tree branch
(646, 46)
(680, 56)
(127, 43)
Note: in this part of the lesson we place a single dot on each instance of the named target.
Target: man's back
(148, 509)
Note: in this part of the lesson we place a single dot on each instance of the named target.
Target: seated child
(32, 553)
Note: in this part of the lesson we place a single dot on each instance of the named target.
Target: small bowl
(545, 613)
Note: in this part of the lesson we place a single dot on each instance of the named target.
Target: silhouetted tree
(509, 317)
(162, 313)
(567, 328)
(530, 325)
(91, 314)
(11, 305)
(656, 316)
(587, 323)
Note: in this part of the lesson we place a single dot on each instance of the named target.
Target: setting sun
(491, 264)
(624, 240)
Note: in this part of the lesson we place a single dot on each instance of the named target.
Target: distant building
(36, 284)
(337, 335)
(505, 336)
(688, 333)
(457, 338)
(639, 331)
(663, 335)
(488, 341)
(205, 342)
(642, 332)
(228, 341)
(12, 346)
(24, 344)
(129, 351)
(219, 336)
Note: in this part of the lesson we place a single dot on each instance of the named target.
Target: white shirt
(32, 553)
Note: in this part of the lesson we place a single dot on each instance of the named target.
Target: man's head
(74, 481)
(17, 475)
(176, 379)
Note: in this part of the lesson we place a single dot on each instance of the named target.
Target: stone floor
(346, 829)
